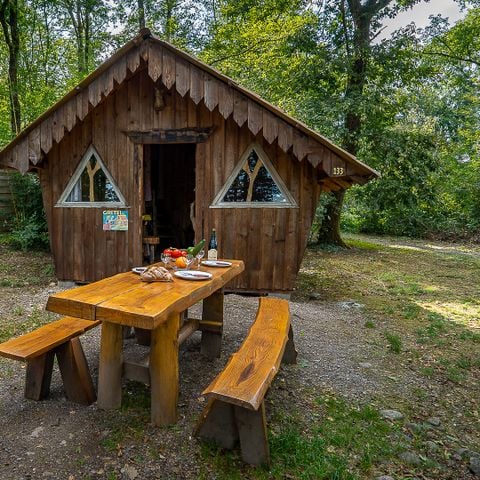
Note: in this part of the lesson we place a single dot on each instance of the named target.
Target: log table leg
(110, 366)
(212, 325)
(164, 371)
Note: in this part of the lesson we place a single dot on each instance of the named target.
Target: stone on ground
(391, 414)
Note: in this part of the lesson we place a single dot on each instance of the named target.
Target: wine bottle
(212, 246)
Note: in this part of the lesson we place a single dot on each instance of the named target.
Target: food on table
(181, 252)
(180, 262)
(194, 250)
(174, 252)
(156, 274)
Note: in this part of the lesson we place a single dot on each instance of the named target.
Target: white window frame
(290, 203)
(62, 201)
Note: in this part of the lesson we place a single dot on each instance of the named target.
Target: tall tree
(365, 16)
(9, 13)
(86, 22)
(80, 13)
(141, 14)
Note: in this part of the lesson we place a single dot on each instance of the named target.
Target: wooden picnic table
(124, 300)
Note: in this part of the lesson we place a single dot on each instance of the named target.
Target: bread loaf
(156, 274)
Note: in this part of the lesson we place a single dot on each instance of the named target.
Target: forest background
(408, 105)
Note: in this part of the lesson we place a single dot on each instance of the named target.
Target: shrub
(28, 226)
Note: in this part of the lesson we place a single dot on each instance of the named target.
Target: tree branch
(345, 30)
(242, 52)
(454, 57)
(3, 20)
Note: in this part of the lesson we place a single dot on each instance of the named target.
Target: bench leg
(75, 373)
(225, 424)
(211, 344)
(217, 424)
(39, 376)
(290, 354)
(252, 431)
(164, 375)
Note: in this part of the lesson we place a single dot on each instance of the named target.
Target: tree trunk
(169, 29)
(329, 233)
(80, 14)
(9, 21)
(362, 15)
(141, 14)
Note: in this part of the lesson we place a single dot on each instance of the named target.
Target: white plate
(216, 263)
(138, 269)
(193, 275)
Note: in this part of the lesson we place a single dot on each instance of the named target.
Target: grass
(433, 295)
(23, 269)
(337, 441)
(394, 342)
(27, 323)
(424, 306)
(134, 415)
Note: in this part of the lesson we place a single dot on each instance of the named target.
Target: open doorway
(169, 194)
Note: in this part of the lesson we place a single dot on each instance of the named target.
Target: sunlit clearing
(459, 313)
(407, 247)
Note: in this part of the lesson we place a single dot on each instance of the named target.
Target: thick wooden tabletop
(126, 300)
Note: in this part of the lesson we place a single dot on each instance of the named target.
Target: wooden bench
(38, 349)
(235, 410)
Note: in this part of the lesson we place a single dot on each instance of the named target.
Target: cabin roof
(175, 68)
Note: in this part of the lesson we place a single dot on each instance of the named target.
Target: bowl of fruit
(181, 258)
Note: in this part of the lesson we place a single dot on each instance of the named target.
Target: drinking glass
(199, 257)
(165, 259)
(188, 260)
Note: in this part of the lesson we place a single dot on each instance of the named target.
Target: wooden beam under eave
(179, 135)
(329, 186)
(360, 180)
(343, 182)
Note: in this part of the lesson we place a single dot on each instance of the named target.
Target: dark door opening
(169, 194)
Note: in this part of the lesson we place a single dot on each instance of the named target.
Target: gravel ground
(56, 439)
(61, 440)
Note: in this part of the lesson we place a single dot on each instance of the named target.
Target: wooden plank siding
(270, 241)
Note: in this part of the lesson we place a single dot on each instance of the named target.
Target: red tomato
(184, 253)
(176, 253)
(168, 251)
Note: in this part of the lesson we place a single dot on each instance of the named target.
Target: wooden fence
(6, 206)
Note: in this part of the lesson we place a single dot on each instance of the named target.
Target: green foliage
(326, 451)
(29, 226)
(418, 110)
(403, 201)
(418, 107)
(275, 53)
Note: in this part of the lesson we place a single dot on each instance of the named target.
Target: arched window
(91, 185)
(254, 182)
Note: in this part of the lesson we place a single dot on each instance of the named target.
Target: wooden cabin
(155, 143)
